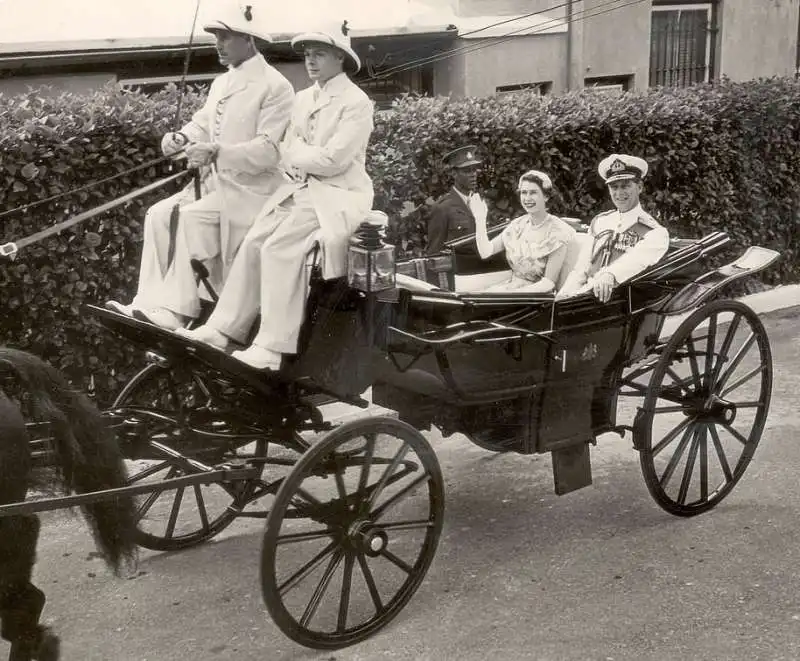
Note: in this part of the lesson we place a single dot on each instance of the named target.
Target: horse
(85, 458)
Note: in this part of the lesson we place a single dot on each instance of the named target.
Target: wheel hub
(368, 538)
(714, 409)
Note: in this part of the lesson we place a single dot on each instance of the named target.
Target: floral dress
(528, 248)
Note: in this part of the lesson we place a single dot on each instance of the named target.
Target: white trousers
(153, 266)
(174, 286)
(271, 274)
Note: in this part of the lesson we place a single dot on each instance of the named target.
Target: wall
(531, 59)
(504, 7)
(758, 38)
(616, 41)
(66, 83)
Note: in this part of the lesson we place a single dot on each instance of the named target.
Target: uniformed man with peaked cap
(451, 216)
(625, 241)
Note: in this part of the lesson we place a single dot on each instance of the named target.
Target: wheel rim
(352, 534)
(156, 406)
(705, 408)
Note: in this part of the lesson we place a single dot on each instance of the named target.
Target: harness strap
(10, 249)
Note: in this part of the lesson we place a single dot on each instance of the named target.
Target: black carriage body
(545, 377)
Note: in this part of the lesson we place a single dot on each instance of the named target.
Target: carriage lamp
(370, 260)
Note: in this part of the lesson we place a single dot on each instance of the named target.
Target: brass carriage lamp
(370, 260)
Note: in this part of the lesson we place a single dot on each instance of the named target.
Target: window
(609, 85)
(542, 88)
(680, 44)
(384, 90)
(151, 84)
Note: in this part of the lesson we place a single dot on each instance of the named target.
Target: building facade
(479, 48)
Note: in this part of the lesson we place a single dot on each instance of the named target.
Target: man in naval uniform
(234, 139)
(451, 217)
(624, 241)
(328, 193)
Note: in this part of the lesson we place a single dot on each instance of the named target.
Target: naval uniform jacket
(450, 218)
(623, 244)
(245, 115)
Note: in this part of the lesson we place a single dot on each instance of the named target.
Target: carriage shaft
(76, 500)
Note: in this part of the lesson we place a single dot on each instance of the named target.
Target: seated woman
(535, 244)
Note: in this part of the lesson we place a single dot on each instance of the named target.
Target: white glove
(478, 208)
(172, 143)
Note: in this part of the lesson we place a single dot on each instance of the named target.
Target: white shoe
(206, 335)
(161, 317)
(259, 357)
(120, 308)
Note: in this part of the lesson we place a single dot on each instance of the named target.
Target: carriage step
(572, 468)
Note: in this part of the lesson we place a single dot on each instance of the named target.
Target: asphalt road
(600, 574)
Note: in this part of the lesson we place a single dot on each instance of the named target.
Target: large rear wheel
(705, 407)
(352, 532)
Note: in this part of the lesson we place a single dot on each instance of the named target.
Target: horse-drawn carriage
(354, 512)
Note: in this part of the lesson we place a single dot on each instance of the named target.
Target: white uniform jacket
(245, 114)
(325, 147)
(623, 244)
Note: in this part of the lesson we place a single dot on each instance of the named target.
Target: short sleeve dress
(528, 248)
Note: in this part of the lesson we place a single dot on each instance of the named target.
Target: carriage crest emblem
(589, 352)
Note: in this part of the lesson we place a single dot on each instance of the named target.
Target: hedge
(721, 157)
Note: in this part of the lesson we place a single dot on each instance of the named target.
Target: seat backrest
(573, 251)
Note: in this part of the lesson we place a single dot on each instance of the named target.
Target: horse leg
(21, 602)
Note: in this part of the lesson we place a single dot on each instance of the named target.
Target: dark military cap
(462, 157)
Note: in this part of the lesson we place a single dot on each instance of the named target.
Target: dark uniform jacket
(450, 218)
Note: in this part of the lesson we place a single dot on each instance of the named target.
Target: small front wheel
(352, 532)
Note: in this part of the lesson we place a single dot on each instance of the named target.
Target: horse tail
(87, 457)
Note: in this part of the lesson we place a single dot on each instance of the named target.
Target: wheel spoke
(737, 435)
(693, 362)
(671, 436)
(391, 557)
(153, 497)
(369, 579)
(322, 588)
(688, 469)
(201, 508)
(344, 603)
(668, 409)
(675, 458)
(723, 459)
(339, 479)
(390, 469)
(682, 382)
(703, 450)
(363, 477)
(726, 347)
(742, 380)
(711, 340)
(173, 515)
(307, 568)
(723, 379)
(293, 538)
(400, 495)
(417, 524)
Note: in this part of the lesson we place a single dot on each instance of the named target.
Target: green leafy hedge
(722, 157)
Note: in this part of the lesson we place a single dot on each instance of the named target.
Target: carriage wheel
(177, 518)
(351, 535)
(705, 408)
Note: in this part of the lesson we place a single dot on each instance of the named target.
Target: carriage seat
(496, 271)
